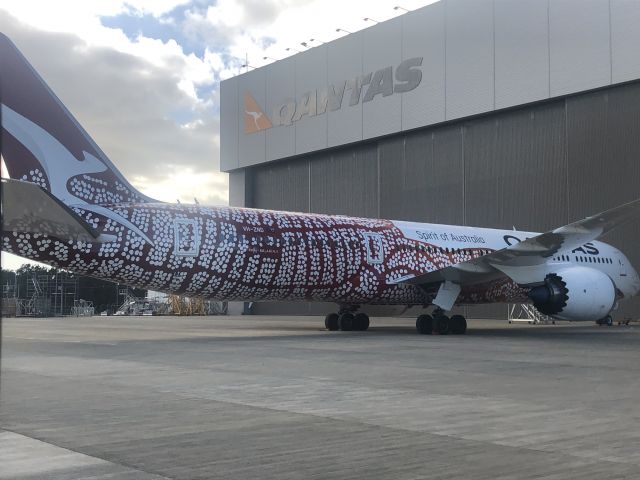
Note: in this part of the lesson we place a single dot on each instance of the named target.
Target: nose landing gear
(608, 321)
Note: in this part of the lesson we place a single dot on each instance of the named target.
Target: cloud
(139, 112)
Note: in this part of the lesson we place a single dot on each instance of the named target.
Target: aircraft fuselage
(244, 254)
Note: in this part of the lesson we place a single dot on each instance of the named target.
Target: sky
(143, 76)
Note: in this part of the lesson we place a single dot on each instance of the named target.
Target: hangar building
(494, 113)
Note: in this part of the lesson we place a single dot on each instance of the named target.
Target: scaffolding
(189, 306)
(55, 294)
(133, 305)
(82, 308)
(48, 294)
(10, 298)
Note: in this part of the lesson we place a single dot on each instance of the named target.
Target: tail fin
(42, 143)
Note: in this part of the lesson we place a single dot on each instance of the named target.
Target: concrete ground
(280, 398)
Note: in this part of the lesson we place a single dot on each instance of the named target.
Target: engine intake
(551, 297)
(575, 293)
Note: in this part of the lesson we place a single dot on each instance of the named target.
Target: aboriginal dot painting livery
(65, 204)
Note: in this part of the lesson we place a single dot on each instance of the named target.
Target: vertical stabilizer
(43, 143)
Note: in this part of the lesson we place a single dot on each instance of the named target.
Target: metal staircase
(524, 312)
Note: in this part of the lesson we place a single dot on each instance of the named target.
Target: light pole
(367, 19)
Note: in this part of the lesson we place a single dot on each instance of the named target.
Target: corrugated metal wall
(281, 186)
(534, 168)
(346, 182)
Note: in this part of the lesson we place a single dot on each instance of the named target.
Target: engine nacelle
(575, 293)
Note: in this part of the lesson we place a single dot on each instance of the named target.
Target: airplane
(66, 205)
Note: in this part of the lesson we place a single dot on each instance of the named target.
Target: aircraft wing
(521, 261)
(29, 208)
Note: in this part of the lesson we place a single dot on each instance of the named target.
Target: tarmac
(281, 398)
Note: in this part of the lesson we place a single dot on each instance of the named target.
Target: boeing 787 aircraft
(66, 205)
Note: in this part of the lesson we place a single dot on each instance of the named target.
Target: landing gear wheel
(361, 321)
(441, 325)
(608, 321)
(331, 322)
(424, 324)
(345, 322)
(458, 325)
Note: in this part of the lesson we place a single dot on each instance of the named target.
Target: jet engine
(575, 293)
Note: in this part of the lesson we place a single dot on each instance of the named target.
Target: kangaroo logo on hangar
(408, 75)
(254, 118)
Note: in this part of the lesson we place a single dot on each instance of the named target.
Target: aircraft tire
(331, 322)
(441, 325)
(345, 321)
(458, 325)
(361, 321)
(424, 324)
(608, 320)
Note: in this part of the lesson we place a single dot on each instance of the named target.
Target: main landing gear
(441, 324)
(608, 321)
(346, 321)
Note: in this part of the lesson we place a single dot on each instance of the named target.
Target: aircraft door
(374, 247)
(186, 239)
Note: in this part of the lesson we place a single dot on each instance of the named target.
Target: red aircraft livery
(65, 204)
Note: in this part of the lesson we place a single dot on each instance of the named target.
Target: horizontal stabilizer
(29, 208)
